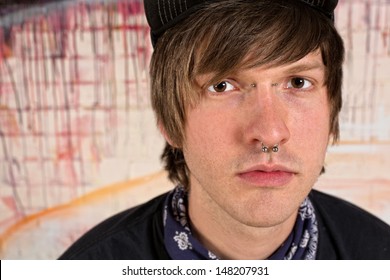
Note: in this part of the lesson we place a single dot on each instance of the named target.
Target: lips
(267, 176)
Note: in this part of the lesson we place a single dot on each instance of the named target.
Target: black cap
(163, 14)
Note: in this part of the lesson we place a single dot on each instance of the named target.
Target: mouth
(267, 176)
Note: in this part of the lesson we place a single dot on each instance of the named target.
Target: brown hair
(225, 36)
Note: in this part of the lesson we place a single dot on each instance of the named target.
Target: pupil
(298, 82)
(220, 87)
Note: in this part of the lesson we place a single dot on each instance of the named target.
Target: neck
(230, 239)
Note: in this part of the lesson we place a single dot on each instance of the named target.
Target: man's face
(230, 176)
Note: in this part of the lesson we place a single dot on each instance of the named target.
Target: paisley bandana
(301, 244)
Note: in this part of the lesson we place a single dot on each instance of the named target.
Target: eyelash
(228, 86)
(305, 81)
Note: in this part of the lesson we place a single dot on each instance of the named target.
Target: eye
(298, 83)
(221, 87)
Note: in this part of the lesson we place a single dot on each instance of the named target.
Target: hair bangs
(282, 35)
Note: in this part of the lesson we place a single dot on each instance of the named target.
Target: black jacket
(345, 232)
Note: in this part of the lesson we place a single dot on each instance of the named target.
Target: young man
(247, 94)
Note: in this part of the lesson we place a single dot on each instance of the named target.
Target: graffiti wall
(359, 167)
(78, 140)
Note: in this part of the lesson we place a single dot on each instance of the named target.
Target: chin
(266, 213)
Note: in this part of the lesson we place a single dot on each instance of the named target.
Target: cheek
(313, 115)
(312, 129)
(210, 130)
(310, 134)
(210, 140)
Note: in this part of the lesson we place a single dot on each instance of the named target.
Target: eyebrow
(301, 67)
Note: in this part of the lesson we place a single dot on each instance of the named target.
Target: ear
(164, 133)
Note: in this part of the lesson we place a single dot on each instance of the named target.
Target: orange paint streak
(7, 51)
(357, 142)
(85, 199)
(8, 121)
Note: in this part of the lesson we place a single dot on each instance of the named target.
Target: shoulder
(347, 231)
(135, 233)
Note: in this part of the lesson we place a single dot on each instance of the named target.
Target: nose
(268, 116)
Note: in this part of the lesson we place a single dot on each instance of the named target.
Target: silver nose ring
(266, 149)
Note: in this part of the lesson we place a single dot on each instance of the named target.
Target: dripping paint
(78, 140)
